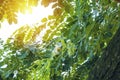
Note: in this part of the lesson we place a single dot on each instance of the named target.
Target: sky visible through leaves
(30, 19)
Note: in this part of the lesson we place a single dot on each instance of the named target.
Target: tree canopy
(78, 32)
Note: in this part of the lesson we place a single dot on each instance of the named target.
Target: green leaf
(22, 55)
(44, 20)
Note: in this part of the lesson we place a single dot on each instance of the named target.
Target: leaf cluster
(9, 8)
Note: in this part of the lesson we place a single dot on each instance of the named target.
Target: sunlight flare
(37, 14)
(28, 18)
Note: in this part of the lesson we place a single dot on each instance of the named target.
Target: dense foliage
(77, 33)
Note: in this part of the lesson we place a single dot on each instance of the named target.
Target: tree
(107, 67)
(80, 35)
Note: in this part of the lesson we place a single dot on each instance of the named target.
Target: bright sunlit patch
(38, 13)
(30, 19)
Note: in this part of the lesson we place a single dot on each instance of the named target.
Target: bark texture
(107, 67)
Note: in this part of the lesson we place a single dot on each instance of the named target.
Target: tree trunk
(107, 67)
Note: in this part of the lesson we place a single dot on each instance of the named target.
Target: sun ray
(28, 18)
